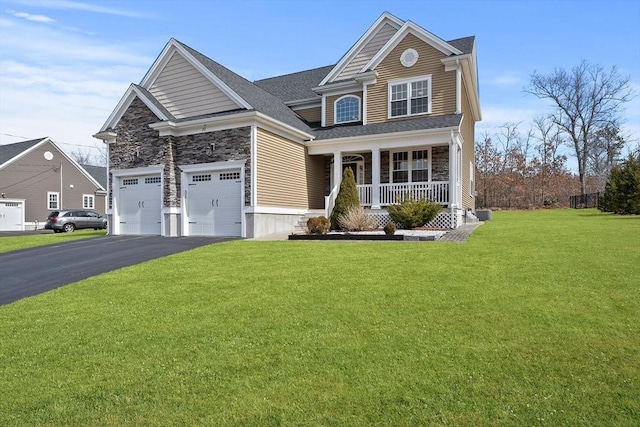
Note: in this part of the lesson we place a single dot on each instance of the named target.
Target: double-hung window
(88, 201)
(410, 166)
(52, 200)
(410, 97)
(347, 109)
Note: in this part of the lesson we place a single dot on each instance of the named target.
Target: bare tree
(83, 157)
(587, 99)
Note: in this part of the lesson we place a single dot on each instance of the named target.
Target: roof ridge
(295, 72)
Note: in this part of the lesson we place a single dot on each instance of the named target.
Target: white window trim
(49, 194)
(91, 197)
(408, 82)
(410, 164)
(335, 109)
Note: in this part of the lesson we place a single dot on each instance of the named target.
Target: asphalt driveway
(32, 271)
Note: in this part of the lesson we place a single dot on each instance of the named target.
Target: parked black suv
(75, 219)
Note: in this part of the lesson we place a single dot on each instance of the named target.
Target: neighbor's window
(53, 200)
(410, 97)
(410, 166)
(88, 201)
(347, 109)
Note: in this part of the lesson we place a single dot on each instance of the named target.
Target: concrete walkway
(460, 234)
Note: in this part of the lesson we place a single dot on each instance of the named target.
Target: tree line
(521, 169)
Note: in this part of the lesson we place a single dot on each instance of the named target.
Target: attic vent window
(409, 57)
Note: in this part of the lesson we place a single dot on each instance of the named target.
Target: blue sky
(65, 64)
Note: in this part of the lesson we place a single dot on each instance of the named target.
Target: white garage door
(140, 205)
(11, 216)
(214, 203)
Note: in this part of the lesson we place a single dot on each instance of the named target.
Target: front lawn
(533, 321)
(13, 243)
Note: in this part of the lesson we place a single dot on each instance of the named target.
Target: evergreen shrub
(411, 213)
(318, 225)
(390, 229)
(622, 191)
(347, 197)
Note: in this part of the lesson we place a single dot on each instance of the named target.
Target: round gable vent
(409, 57)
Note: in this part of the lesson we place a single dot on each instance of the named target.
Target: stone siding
(137, 146)
(440, 163)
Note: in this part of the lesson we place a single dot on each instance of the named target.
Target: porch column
(337, 169)
(453, 173)
(375, 178)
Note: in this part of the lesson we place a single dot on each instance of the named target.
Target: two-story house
(195, 149)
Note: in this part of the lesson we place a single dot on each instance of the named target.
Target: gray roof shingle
(423, 123)
(295, 86)
(464, 44)
(9, 151)
(99, 173)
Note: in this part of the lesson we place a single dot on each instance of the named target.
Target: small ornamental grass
(356, 218)
(411, 212)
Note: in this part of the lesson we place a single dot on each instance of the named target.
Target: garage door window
(52, 200)
(152, 180)
(201, 178)
(229, 175)
(130, 181)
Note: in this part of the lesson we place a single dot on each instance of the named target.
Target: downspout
(458, 87)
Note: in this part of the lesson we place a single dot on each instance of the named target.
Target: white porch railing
(330, 201)
(437, 192)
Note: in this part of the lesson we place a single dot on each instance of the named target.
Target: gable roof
(422, 34)
(9, 151)
(259, 99)
(385, 19)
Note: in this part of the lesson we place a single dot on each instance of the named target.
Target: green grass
(14, 243)
(534, 321)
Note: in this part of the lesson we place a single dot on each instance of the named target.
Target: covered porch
(425, 168)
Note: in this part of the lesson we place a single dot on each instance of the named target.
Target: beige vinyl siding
(367, 52)
(315, 181)
(32, 176)
(330, 106)
(185, 92)
(468, 149)
(281, 172)
(311, 115)
(443, 84)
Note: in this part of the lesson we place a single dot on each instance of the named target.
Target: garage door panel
(214, 204)
(11, 216)
(140, 205)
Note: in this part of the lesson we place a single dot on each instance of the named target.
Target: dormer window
(347, 109)
(410, 97)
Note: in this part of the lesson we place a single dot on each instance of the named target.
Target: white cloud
(505, 80)
(86, 7)
(29, 17)
(60, 84)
